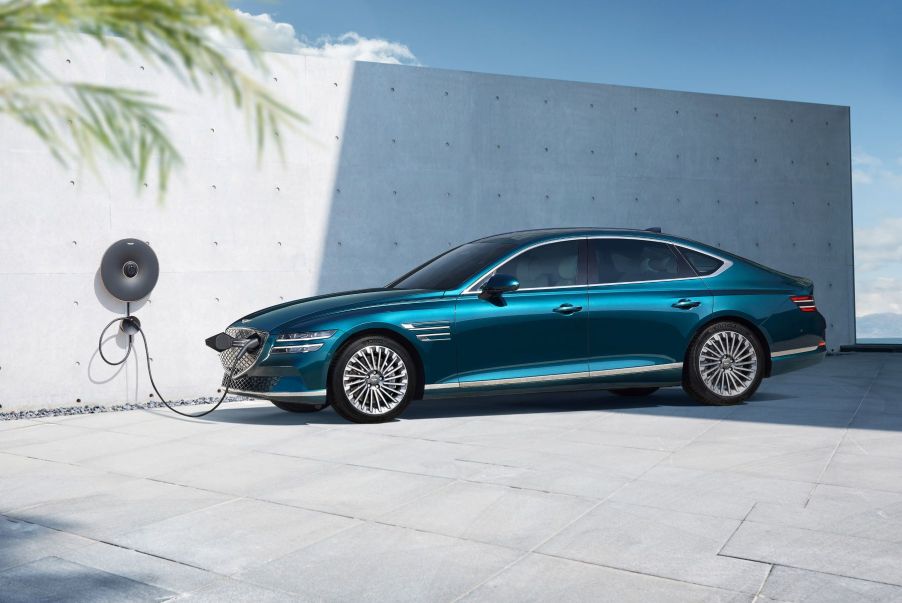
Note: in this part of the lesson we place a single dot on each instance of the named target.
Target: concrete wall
(397, 164)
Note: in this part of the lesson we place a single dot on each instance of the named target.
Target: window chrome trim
(727, 263)
(795, 351)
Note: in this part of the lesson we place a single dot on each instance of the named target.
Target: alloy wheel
(375, 379)
(728, 363)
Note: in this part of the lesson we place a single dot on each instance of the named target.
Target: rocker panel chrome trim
(313, 393)
(794, 351)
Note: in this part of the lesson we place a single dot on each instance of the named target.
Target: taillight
(804, 302)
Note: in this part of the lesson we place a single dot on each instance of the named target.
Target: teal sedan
(628, 311)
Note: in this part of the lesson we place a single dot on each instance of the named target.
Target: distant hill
(886, 325)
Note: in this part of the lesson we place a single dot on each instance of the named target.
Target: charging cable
(131, 325)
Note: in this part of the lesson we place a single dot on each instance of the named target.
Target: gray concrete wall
(398, 164)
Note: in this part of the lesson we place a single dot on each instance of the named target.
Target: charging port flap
(220, 342)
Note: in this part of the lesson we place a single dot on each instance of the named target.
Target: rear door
(645, 302)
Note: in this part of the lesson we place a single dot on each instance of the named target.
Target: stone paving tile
(25, 482)
(158, 458)
(863, 558)
(643, 430)
(669, 544)
(248, 474)
(542, 578)
(546, 475)
(360, 492)
(36, 434)
(439, 459)
(795, 465)
(331, 445)
(488, 432)
(87, 444)
(122, 508)
(54, 579)
(148, 569)
(22, 542)
(230, 537)
(803, 586)
(853, 512)
(229, 589)
(374, 562)
(719, 494)
(500, 515)
(17, 424)
(865, 471)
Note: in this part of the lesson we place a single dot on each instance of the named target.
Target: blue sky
(845, 53)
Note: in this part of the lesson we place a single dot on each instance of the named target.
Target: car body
(585, 308)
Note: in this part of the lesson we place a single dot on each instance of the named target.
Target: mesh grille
(249, 359)
(251, 384)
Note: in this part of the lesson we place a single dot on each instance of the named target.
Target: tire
(291, 407)
(724, 365)
(631, 392)
(373, 380)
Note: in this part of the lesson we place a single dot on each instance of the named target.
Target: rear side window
(704, 265)
(634, 260)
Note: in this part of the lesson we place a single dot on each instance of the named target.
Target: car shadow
(672, 401)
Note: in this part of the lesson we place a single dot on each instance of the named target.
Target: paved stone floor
(794, 496)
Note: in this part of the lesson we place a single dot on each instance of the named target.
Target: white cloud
(282, 37)
(868, 169)
(879, 295)
(879, 246)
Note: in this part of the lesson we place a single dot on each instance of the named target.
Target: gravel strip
(90, 410)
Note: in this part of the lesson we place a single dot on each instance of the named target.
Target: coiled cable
(137, 325)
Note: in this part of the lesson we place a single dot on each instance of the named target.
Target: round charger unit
(129, 270)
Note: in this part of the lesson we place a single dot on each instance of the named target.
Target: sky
(842, 53)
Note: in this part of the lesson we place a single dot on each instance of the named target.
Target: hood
(273, 317)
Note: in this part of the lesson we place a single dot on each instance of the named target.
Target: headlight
(308, 336)
(292, 343)
(296, 349)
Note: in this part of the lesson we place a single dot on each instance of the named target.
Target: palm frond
(182, 36)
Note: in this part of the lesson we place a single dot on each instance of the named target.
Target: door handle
(685, 304)
(567, 309)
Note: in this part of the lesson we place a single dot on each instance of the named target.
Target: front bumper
(281, 389)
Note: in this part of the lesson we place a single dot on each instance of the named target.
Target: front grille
(251, 384)
(247, 361)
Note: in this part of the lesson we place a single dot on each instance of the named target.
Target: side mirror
(498, 284)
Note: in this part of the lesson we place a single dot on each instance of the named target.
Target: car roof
(540, 234)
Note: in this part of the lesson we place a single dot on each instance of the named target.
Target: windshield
(453, 268)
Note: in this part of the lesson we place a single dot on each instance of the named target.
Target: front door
(534, 336)
(644, 304)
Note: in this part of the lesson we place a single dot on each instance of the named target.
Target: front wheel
(373, 380)
(725, 365)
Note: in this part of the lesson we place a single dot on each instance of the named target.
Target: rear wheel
(290, 407)
(725, 365)
(373, 380)
(635, 391)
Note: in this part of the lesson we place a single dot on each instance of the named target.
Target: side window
(634, 260)
(551, 265)
(703, 264)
